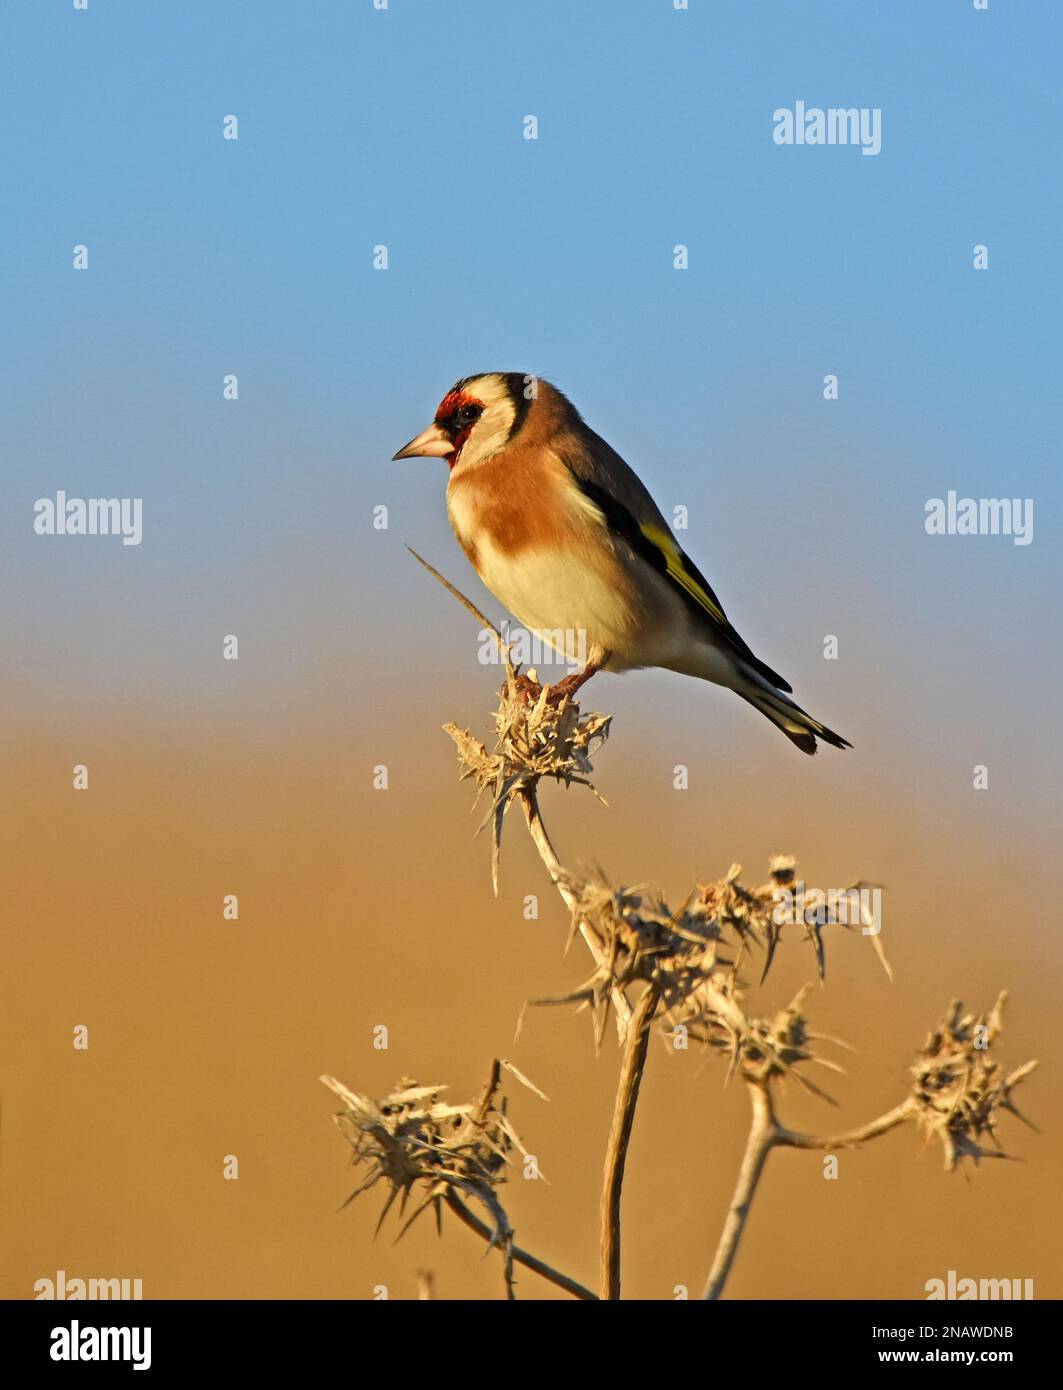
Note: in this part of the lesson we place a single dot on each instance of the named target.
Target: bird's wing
(631, 514)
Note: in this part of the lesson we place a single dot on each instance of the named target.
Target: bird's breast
(514, 507)
(549, 562)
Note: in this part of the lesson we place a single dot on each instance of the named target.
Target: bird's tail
(800, 728)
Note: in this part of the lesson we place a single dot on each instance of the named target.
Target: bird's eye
(466, 415)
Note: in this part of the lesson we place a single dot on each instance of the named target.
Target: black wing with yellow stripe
(652, 542)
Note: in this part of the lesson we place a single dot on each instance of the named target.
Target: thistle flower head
(959, 1087)
(413, 1140)
(537, 737)
(692, 958)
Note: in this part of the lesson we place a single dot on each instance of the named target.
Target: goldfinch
(566, 537)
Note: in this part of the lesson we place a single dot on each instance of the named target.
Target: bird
(567, 537)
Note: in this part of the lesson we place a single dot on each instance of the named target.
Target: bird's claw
(530, 691)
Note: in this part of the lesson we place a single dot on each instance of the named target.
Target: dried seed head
(958, 1086)
(536, 737)
(782, 868)
(413, 1139)
(761, 1050)
(692, 957)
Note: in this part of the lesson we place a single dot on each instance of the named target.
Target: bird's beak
(430, 443)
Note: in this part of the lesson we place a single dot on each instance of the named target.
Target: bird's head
(478, 416)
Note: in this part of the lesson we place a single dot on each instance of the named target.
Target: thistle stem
(521, 1257)
(627, 1094)
(765, 1134)
(530, 804)
(794, 1139)
(762, 1138)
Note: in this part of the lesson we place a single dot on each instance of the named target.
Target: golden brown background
(361, 907)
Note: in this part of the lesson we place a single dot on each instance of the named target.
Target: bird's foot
(564, 689)
(528, 689)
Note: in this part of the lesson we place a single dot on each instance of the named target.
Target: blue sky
(359, 127)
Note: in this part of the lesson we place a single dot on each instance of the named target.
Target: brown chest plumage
(514, 502)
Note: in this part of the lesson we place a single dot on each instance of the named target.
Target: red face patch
(456, 416)
(451, 403)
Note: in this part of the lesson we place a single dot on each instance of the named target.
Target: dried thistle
(761, 1050)
(537, 737)
(959, 1088)
(635, 938)
(414, 1139)
(690, 956)
(811, 908)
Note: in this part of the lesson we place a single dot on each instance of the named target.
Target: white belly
(567, 603)
(581, 607)
(576, 610)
